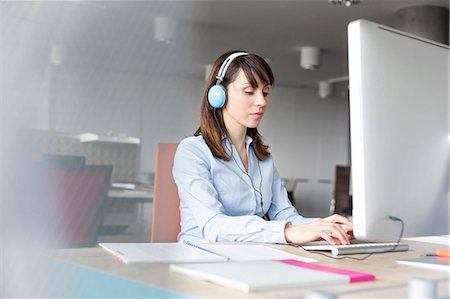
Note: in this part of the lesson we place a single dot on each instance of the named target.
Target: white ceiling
(118, 35)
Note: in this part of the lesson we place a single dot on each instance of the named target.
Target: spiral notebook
(159, 253)
(195, 253)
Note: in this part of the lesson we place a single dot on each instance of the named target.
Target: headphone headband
(226, 63)
(217, 92)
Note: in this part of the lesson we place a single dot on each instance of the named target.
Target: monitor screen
(399, 123)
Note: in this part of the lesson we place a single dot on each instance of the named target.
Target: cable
(265, 217)
(393, 218)
(251, 180)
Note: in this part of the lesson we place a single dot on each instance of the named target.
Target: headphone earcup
(216, 96)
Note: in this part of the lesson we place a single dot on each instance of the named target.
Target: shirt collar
(248, 140)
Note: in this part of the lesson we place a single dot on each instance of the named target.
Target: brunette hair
(211, 120)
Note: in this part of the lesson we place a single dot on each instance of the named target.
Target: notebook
(159, 253)
(356, 248)
(190, 252)
(252, 276)
(431, 262)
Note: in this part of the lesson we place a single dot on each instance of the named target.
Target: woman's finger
(338, 232)
(347, 228)
(342, 220)
(328, 238)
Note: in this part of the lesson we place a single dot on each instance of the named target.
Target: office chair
(290, 185)
(166, 210)
(341, 202)
(78, 193)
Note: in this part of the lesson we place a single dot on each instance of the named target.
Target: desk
(391, 277)
(131, 195)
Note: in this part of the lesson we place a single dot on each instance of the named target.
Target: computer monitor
(399, 124)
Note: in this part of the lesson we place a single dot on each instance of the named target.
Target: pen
(440, 253)
(204, 249)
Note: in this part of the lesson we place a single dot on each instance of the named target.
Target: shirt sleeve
(197, 194)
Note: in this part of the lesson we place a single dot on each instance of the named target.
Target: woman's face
(245, 105)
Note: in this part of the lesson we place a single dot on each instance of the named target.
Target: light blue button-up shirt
(219, 201)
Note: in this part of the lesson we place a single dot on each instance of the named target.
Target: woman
(228, 185)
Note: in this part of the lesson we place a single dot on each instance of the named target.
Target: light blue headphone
(217, 93)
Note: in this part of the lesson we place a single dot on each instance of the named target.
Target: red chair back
(166, 210)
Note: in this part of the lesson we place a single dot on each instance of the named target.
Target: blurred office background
(103, 82)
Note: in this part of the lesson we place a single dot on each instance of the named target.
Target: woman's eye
(266, 94)
(249, 92)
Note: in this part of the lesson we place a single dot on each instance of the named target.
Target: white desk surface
(391, 277)
(442, 240)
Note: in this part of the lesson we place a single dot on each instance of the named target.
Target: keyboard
(356, 248)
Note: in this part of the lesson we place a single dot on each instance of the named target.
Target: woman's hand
(334, 229)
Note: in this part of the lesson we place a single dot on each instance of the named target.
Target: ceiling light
(346, 3)
(165, 29)
(58, 54)
(309, 58)
(325, 89)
